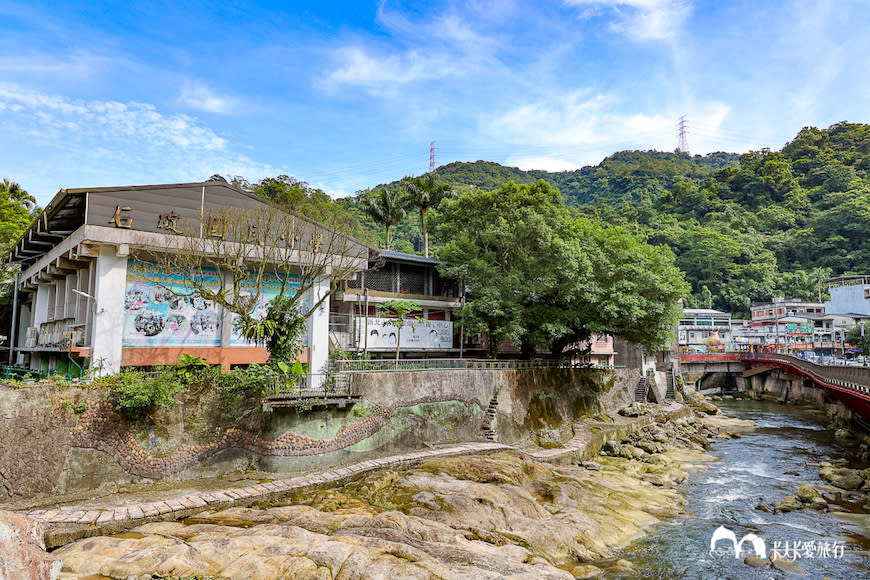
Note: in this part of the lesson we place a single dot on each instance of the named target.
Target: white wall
(318, 342)
(847, 299)
(108, 327)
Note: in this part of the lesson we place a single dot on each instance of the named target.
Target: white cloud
(136, 122)
(439, 46)
(70, 142)
(643, 19)
(199, 96)
(568, 131)
(542, 163)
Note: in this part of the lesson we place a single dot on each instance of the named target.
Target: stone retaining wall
(47, 448)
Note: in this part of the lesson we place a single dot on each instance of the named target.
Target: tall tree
(424, 193)
(541, 275)
(387, 207)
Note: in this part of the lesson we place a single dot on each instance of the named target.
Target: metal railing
(330, 385)
(855, 379)
(392, 365)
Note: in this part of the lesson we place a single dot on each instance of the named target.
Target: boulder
(818, 503)
(806, 493)
(22, 549)
(849, 480)
(610, 448)
(788, 504)
(787, 566)
(754, 562)
(584, 571)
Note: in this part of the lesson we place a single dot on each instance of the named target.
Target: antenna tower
(432, 156)
(682, 131)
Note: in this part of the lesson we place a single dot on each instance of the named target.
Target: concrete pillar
(39, 315)
(108, 333)
(318, 338)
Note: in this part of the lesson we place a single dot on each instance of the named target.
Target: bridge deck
(850, 385)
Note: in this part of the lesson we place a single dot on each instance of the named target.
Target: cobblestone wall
(103, 429)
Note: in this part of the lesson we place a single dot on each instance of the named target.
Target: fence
(403, 365)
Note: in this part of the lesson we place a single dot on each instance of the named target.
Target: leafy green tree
(17, 210)
(425, 193)
(541, 275)
(387, 207)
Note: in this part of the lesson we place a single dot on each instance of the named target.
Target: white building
(703, 329)
(91, 292)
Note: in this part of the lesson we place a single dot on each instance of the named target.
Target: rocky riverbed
(497, 516)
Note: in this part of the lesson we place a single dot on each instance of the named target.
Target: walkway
(65, 525)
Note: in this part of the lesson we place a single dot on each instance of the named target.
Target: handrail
(392, 365)
(856, 379)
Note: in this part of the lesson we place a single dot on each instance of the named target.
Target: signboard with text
(415, 335)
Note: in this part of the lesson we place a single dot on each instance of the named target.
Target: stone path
(65, 525)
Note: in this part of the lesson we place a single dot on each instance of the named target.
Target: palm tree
(15, 192)
(426, 192)
(386, 207)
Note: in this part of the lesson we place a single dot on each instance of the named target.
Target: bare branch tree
(237, 258)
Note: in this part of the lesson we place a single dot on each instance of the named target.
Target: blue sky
(347, 95)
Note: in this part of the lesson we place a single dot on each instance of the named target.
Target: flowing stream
(762, 466)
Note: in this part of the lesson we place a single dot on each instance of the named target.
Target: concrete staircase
(486, 431)
(641, 391)
(671, 391)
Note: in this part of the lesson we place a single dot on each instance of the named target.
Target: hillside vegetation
(743, 227)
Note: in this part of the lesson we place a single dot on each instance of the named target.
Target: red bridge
(850, 385)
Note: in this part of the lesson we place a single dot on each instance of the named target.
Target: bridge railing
(852, 378)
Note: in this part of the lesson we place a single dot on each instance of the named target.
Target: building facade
(358, 322)
(704, 330)
(94, 289)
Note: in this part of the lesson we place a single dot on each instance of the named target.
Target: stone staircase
(641, 391)
(486, 431)
(671, 391)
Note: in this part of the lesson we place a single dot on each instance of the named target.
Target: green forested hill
(744, 227)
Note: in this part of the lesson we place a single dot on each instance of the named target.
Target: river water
(762, 466)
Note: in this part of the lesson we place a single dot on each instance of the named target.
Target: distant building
(704, 330)
(780, 307)
(850, 295)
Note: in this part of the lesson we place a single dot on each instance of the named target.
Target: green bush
(139, 392)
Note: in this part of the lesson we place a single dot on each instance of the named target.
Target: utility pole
(432, 156)
(682, 131)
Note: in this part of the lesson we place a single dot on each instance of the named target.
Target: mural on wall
(416, 334)
(270, 287)
(161, 309)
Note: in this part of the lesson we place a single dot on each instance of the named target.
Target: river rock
(649, 447)
(818, 503)
(788, 504)
(622, 567)
(611, 448)
(787, 566)
(843, 434)
(584, 571)
(22, 550)
(754, 562)
(806, 493)
(849, 480)
(829, 472)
